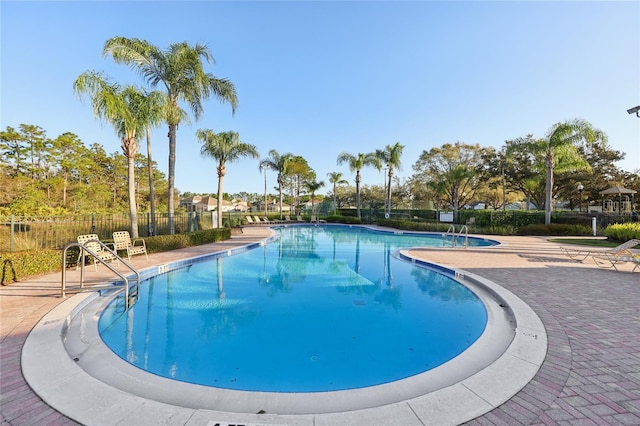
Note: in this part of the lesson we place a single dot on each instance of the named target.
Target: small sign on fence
(446, 217)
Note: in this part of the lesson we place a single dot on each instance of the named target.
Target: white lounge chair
(122, 241)
(270, 221)
(93, 243)
(582, 253)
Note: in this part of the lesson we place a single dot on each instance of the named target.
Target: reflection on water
(250, 321)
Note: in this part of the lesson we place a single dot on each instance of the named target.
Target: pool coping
(62, 383)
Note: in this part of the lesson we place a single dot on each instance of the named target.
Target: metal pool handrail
(97, 258)
(452, 232)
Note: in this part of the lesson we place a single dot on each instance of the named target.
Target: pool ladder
(130, 292)
(451, 237)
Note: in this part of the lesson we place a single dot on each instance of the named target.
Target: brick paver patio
(591, 375)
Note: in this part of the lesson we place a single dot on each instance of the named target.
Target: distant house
(272, 206)
(199, 203)
(476, 205)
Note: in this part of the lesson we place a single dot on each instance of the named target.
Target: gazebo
(625, 201)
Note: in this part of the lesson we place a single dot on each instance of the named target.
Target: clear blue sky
(319, 78)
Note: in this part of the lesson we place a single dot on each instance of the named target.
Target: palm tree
(119, 107)
(356, 163)
(180, 70)
(312, 186)
(154, 108)
(562, 153)
(335, 178)
(225, 147)
(263, 167)
(391, 157)
(279, 164)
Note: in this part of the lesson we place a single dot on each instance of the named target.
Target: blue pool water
(320, 308)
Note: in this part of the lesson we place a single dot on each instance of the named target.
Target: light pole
(580, 188)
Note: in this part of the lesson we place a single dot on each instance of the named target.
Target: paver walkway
(591, 374)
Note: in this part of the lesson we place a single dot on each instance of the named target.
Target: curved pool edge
(63, 384)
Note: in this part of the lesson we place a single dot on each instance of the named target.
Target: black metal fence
(495, 218)
(19, 233)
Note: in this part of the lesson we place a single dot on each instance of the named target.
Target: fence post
(11, 234)
(93, 223)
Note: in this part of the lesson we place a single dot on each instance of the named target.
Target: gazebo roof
(617, 190)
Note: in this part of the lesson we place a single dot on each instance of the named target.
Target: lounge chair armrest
(134, 242)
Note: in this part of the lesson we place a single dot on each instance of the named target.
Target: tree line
(40, 175)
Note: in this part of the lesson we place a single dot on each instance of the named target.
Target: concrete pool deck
(589, 376)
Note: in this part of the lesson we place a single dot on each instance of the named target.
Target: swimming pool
(319, 308)
(67, 364)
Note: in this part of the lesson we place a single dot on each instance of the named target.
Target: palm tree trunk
(172, 176)
(152, 195)
(133, 212)
(388, 209)
(358, 193)
(548, 207)
(265, 194)
(280, 191)
(220, 192)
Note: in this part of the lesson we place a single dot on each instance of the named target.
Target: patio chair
(582, 254)
(250, 220)
(613, 260)
(92, 242)
(122, 241)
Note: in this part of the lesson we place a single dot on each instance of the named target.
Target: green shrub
(20, 265)
(498, 230)
(162, 243)
(556, 229)
(343, 219)
(623, 231)
(348, 212)
(411, 225)
(231, 222)
(573, 220)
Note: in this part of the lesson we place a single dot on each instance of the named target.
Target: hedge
(555, 229)
(343, 219)
(16, 266)
(162, 243)
(21, 265)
